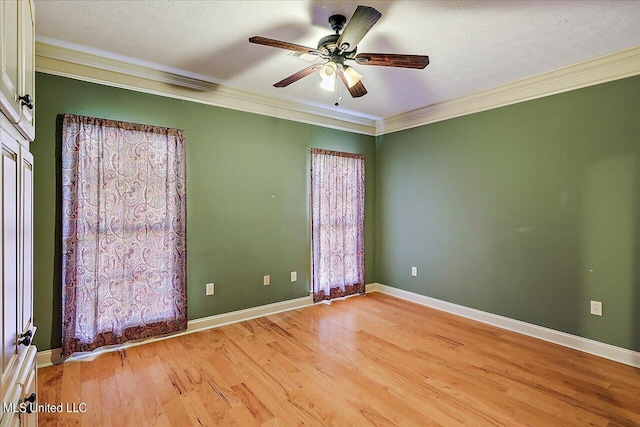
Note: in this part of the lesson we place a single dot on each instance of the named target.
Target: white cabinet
(11, 418)
(27, 382)
(19, 404)
(17, 359)
(9, 43)
(17, 64)
(9, 170)
(16, 268)
(27, 67)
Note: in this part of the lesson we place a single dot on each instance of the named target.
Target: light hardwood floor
(373, 360)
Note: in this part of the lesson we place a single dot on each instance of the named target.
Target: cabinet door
(29, 418)
(27, 67)
(10, 171)
(26, 238)
(12, 398)
(9, 60)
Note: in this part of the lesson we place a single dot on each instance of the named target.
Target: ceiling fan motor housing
(337, 22)
(328, 46)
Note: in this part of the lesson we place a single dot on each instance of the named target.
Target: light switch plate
(210, 289)
(596, 308)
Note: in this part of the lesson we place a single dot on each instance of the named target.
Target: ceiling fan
(338, 48)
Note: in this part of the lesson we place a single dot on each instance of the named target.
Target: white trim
(608, 351)
(127, 73)
(247, 314)
(371, 287)
(622, 355)
(607, 68)
(54, 356)
(147, 78)
(48, 357)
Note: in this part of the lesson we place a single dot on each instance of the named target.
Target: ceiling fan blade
(283, 45)
(360, 23)
(357, 90)
(393, 60)
(297, 76)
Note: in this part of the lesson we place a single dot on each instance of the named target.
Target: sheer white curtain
(337, 218)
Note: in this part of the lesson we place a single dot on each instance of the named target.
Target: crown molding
(150, 78)
(142, 77)
(607, 68)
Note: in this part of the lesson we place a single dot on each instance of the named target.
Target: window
(123, 232)
(337, 219)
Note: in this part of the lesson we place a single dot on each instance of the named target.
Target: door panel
(10, 64)
(27, 68)
(10, 199)
(26, 312)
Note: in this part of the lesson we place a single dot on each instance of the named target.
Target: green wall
(247, 196)
(528, 211)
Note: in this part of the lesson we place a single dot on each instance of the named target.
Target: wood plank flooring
(373, 360)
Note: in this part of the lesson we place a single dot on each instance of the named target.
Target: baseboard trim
(372, 287)
(48, 357)
(618, 354)
(247, 314)
(608, 351)
(54, 356)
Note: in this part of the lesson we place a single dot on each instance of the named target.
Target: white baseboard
(608, 351)
(372, 287)
(48, 357)
(54, 356)
(622, 355)
(247, 314)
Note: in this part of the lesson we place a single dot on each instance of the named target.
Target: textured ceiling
(472, 45)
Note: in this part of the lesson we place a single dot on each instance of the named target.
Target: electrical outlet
(266, 281)
(210, 289)
(414, 271)
(294, 276)
(596, 308)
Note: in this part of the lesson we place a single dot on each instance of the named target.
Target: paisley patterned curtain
(337, 220)
(123, 232)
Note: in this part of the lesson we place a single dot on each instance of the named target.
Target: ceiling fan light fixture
(328, 76)
(328, 71)
(352, 76)
(328, 84)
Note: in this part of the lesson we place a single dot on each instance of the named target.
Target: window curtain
(123, 232)
(337, 216)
